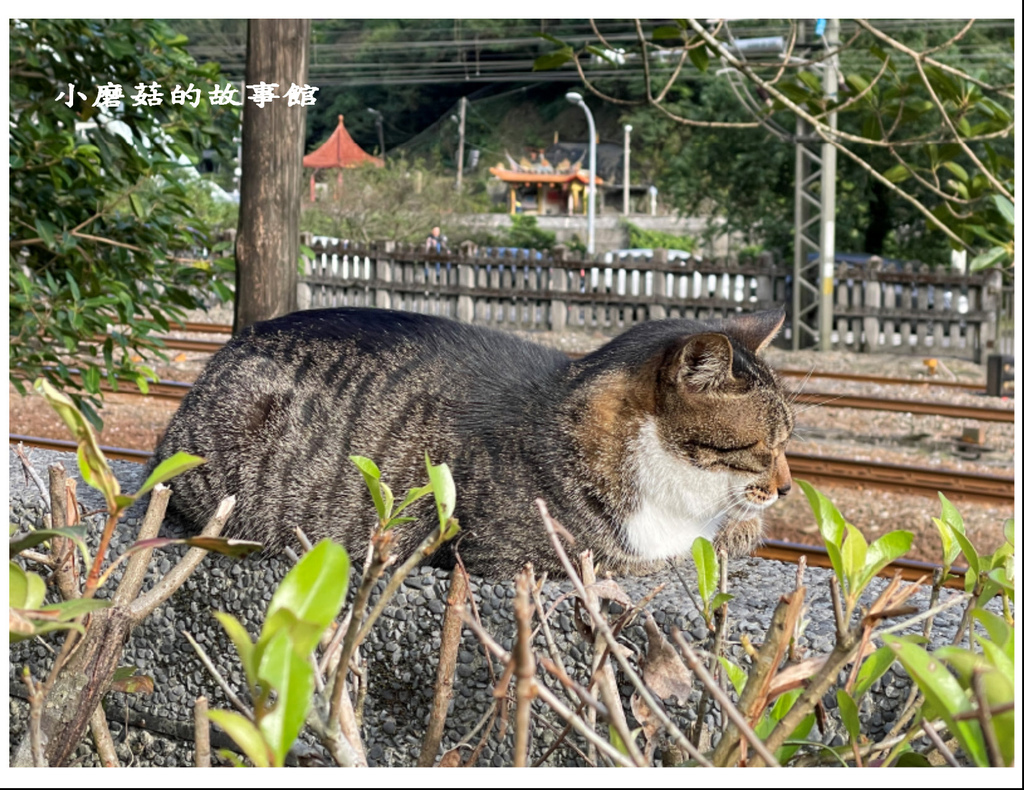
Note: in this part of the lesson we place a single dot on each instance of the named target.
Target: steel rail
(917, 480)
(842, 401)
(175, 390)
(869, 379)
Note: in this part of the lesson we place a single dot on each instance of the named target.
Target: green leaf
(552, 39)
(45, 231)
(1001, 633)
(993, 256)
(1009, 531)
(75, 293)
(1005, 208)
(313, 592)
(285, 667)
(412, 496)
(69, 610)
(887, 548)
(911, 759)
(699, 57)
(849, 714)
(91, 379)
(896, 174)
(26, 589)
(969, 554)
(950, 548)
(997, 658)
(34, 538)
(811, 80)
(943, 692)
(243, 646)
(705, 560)
(243, 732)
(735, 673)
(857, 82)
(168, 468)
(956, 170)
(552, 60)
(22, 629)
(371, 474)
(854, 551)
(444, 491)
(91, 461)
(720, 599)
(388, 499)
(137, 207)
(666, 32)
(800, 732)
(873, 667)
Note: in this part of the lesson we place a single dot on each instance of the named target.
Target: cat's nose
(784, 489)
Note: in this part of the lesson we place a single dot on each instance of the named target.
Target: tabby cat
(672, 430)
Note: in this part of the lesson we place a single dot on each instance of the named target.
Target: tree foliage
(103, 236)
(924, 132)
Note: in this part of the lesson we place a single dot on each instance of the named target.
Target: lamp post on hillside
(378, 119)
(576, 99)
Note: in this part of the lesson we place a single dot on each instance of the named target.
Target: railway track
(819, 469)
(175, 390)
(211, 346)
(815, 556)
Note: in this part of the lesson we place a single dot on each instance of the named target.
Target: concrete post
(385, 274)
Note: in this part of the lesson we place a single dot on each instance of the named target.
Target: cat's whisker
(810, 406)
(803, 383)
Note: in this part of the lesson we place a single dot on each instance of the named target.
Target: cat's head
(709, 426)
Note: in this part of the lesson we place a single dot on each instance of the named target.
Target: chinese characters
(112, 95)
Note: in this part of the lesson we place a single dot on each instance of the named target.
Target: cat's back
(281, 407)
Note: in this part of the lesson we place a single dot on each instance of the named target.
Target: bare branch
(34, 475)
(614, 647)
(915, 55)
(985, 720)
(730, 710)
(547, 697)
(939, 744)
(144, 605)
(525, 666)
(202, 730)
(218, 678)
(36, 697)
(134, 573)
(101, 737)
(956, 135)
(451, 632)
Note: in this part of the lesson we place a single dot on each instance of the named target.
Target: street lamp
(575, 98)
(379, 120)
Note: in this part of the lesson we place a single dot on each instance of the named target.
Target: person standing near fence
(436, 242)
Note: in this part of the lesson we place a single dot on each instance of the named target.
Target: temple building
(555, 180)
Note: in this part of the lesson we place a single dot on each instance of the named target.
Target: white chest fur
(678, 502)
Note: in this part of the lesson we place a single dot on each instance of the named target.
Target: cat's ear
(703, 362)
(754, 331)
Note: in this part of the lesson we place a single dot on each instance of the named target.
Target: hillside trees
(101, 233)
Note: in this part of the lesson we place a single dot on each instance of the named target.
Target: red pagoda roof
(340, 150)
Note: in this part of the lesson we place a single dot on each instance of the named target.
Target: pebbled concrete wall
(402, 649)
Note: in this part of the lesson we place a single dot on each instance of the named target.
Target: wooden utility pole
(273, 140)
(462, 142)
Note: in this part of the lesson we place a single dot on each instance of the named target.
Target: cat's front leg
(739, 537)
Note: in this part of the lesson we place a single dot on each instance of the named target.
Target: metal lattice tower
(814, 221)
